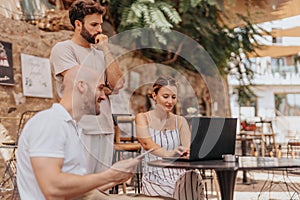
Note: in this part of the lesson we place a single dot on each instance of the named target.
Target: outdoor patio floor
(264, 185)
(267, 185)
(278, 186)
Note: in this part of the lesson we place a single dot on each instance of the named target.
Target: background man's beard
(87, 36)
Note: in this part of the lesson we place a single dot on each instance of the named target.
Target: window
(287, 104)
(277, 40)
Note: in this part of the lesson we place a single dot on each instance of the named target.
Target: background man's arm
(114, 75)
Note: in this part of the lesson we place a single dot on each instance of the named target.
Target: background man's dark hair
(81, 8)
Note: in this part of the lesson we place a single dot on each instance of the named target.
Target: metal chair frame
(121, 146)
(8, 183)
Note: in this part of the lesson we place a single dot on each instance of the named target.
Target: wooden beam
(260, 11)
(290, 32)
(275, 51)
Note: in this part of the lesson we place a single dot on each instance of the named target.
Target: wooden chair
(268, 145)
(209, 175)
(122, 145)
(25, 116)
(293, 148)
(125, 119)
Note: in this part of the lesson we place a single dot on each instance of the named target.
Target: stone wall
(192, 91)
(28, 39)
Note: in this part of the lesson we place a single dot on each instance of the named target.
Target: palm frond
(170, 12)
(159, 20)
(158, 16)
(160, 37)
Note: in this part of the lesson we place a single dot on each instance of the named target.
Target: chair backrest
(189, 186)
(116, 129)
(26, 115)
(116, 118)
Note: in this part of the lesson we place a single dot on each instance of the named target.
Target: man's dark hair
(81, 8)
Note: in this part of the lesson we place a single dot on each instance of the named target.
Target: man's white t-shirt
(50, 133)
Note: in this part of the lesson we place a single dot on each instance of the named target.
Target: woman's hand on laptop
(181, 151)
(186, 154)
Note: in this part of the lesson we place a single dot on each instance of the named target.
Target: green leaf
(171, 13)
(195, 3)
(146, 1)
(160, 20)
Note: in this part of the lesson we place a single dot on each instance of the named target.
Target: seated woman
(170, 135)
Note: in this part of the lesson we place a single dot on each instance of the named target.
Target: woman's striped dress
(161, 181)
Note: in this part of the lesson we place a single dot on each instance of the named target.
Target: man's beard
(87, 36)
(90, 107)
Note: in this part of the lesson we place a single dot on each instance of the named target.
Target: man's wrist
(108, 85)
(108, 90)
(103, 47)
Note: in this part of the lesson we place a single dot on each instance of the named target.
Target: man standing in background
(88, 47)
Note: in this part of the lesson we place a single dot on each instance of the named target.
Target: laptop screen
(212, 137)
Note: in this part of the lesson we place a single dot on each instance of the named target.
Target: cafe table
(226, 171)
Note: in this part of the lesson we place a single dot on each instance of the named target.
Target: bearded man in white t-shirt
(86, 18)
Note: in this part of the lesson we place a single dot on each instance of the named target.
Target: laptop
(211, 138)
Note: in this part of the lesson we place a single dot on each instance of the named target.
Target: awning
(275, 51)
(291, 32)
(260, 11)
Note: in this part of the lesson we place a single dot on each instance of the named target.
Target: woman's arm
(144, 137)
(184, 132)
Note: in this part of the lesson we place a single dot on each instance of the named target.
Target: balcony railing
(271, 77)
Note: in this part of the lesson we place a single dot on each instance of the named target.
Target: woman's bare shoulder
(141, 118)
(181, 120)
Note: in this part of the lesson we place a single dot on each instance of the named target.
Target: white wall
(286, 127)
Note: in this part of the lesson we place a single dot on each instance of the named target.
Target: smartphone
(142, 155)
